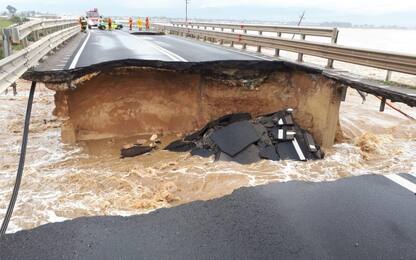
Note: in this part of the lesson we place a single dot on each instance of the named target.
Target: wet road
(367, 217)
(100, 46)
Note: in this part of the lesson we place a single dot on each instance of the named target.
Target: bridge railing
(35, 28)
(279, 29)
(303, 31)
(15, 65)
(377, 59)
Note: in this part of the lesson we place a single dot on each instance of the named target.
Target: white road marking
(242, 52)
(414, 174)
(298, 150)
(168, 53)
(402, 182)
(78, 55)
(225, 48)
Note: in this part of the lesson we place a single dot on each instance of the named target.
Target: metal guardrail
(20, 32)
(377, 59)
(36, 28)
(15, 65)
(301, 30)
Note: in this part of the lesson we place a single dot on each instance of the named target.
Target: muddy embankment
(127, 101)
(64, 181)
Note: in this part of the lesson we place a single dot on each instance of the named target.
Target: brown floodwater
(63, 182)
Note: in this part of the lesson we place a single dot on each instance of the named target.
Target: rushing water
(63, 182)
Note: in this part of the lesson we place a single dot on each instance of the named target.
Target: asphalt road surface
(101, 46)
(367, 217)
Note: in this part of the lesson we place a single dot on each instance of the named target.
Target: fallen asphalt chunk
(202, 152)
(269, 153)
(233, 138)
(135, 150)
(241, 139)
(180, 146)
(247, 156)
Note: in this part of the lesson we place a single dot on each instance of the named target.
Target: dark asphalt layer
(367, 217)
(113, 45)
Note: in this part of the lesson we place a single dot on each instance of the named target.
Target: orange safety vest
(147, 23)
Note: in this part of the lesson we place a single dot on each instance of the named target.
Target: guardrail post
(300, 55)
(277, 51)
(7, 42)
(383, 104)
(25, 42)
(259, 48)
(36, 36)
(388, 76)
(334, 40)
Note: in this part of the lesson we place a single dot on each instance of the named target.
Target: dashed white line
(402, 182)
(78, 55)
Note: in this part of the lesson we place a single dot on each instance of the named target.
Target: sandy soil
(63, 181)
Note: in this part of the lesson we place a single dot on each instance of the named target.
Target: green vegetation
(5, 22)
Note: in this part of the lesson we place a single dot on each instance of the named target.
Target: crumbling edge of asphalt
(189, 204)
(250, 69)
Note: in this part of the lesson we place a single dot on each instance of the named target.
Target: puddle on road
(63, 182)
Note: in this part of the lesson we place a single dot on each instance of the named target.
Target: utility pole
(187, 2)
(300, 21)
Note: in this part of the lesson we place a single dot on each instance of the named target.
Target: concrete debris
(153, 138)
(240, 138)
(141, 141)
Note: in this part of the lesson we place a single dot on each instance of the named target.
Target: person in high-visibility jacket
(83, 23)
(147, 23)
(131, 23)
(140, 24)
(110, 23)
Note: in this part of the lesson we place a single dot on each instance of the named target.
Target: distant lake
(397, 40)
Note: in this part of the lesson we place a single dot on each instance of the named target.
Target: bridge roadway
(98, 46)
(367, 217)
(101, 46)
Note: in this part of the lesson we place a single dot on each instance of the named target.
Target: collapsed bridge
(119, 84)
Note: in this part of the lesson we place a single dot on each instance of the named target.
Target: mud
(136, 101)
(67, 181)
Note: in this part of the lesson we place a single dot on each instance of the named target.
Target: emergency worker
(140, 24)
(83, 24)
(147, 23)
(110, 23)
(131, 23)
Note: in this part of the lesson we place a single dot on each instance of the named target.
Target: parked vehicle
(93, 18)
(103, 25)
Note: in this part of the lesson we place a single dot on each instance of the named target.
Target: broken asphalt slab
(239, 138)
(367, 217)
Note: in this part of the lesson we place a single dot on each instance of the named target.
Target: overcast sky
(379, 12)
